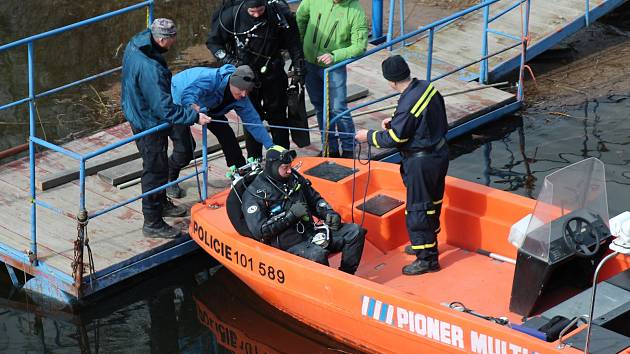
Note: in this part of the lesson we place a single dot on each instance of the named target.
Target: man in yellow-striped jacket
(418, 129)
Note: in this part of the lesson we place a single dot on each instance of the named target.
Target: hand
(361, 135)
(333, 220)
(325, 59)
(195, 107)
(299, 209)
(385, 124)
(203, 119)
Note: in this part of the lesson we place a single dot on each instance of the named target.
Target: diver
(279, 207)
(254, 33)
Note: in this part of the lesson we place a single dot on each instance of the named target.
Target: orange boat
(480, 302)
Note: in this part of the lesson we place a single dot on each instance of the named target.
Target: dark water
(185, 306)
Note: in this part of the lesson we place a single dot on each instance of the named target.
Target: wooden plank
(66, 176)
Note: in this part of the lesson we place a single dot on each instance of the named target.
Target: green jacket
(326, 27)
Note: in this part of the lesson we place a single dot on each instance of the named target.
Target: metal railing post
(483, 67)
(430, 54)
(31, 148)
(149, 14)
(82, 184)
(592, 308)
(390, 24)
(326, 115)
(401, 11)
(521, 78)
(377, 19)
(587, 13)
(204, 153)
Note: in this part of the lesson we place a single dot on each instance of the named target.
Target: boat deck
(483, 284)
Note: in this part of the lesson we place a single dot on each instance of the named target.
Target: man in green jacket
(331, 31)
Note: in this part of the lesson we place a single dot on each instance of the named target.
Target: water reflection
(190, 306)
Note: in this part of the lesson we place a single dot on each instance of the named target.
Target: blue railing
(81, 158)
(431, 28)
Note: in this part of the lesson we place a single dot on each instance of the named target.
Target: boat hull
(366, 314)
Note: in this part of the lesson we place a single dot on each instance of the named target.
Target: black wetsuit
(239, 38)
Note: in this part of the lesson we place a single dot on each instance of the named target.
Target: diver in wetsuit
(279, 206)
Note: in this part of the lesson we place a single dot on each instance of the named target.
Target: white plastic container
(519, 229)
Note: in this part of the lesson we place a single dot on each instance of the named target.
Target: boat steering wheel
(576, 231)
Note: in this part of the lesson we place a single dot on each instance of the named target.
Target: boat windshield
(578, 190)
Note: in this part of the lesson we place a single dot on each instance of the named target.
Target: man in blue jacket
(215, 92)
(147, 103)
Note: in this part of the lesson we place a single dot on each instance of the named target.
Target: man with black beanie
(418, 129)
(279, 206)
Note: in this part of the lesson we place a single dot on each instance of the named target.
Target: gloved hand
(228, 59)
(299, 209)
(333, 220)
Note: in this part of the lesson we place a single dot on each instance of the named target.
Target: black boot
(347, 154)
(172, 210)
(159, 229)
(419, 266)
(175, 192)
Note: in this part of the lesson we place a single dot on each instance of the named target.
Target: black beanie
(254, 3)
(395, 69)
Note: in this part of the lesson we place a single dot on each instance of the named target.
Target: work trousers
(183, 148)
(338, 104)
(153, 151)
(270, 101)
(424, 177)
(184, 145)
(220, 128)
(348, 240)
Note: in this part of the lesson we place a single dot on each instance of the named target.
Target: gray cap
(163, 28)
(243, 78)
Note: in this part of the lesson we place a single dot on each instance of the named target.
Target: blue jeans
(337, 85)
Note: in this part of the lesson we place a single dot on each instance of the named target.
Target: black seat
(233, 205)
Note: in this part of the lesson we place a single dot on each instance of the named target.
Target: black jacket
(266, 206)
(260, 46)
(419, 122)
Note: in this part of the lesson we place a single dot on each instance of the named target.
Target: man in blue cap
(418, 129)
